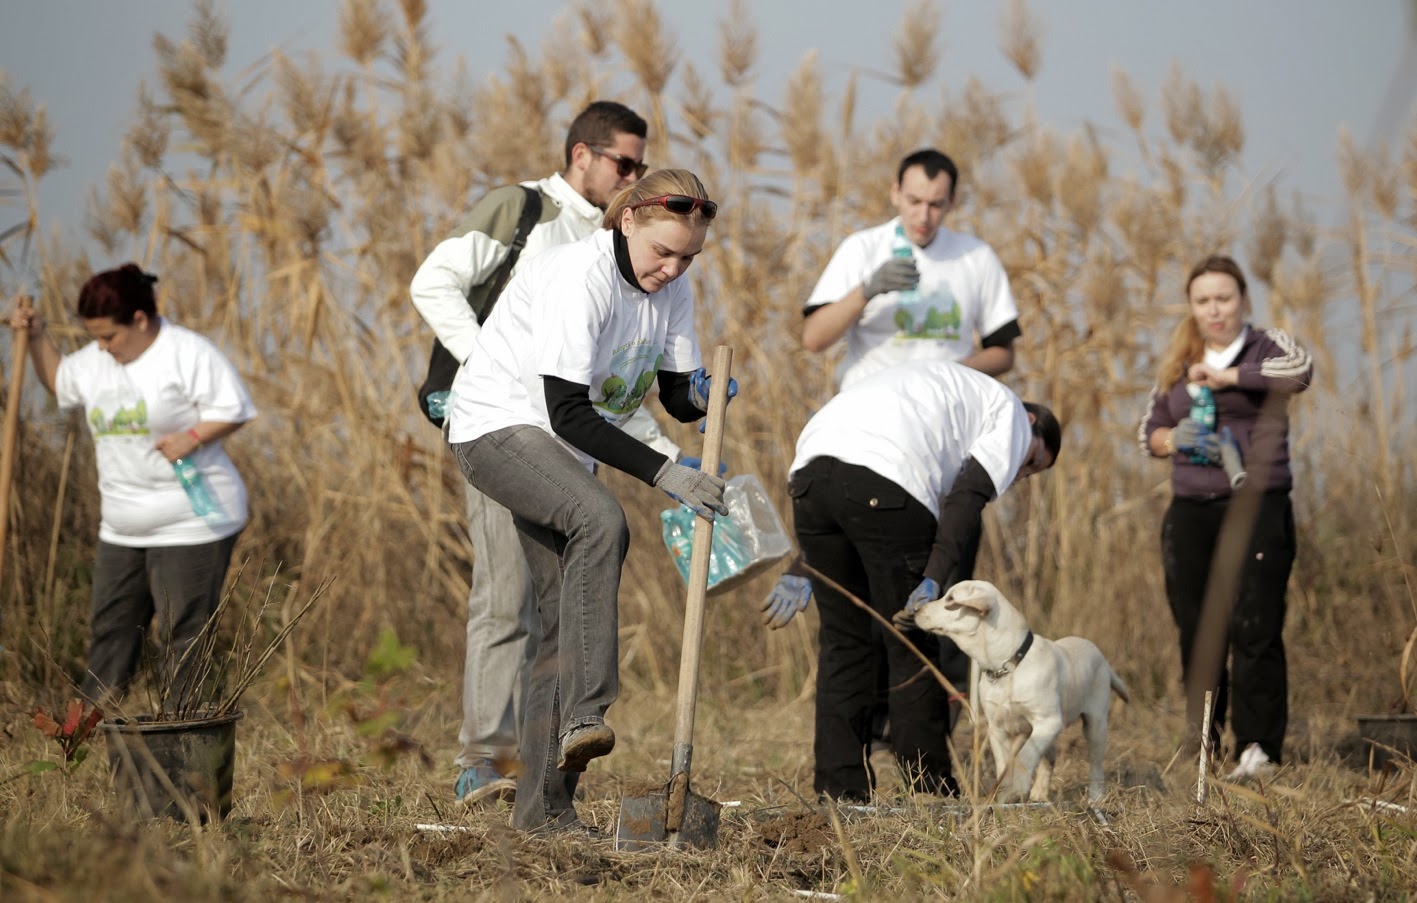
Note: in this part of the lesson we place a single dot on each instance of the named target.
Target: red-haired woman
(1244, 367)
(153, 393)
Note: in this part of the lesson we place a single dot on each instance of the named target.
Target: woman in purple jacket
(1251, 373)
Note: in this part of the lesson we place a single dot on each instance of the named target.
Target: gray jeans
(574, 535)
(501, 616)
(180, 584)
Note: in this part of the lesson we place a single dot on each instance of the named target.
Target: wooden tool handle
(700, 558)
(12, 428)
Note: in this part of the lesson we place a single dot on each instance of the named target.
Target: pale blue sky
(1299, 68)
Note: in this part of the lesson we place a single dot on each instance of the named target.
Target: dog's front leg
(1004, 747)
(1035, 759)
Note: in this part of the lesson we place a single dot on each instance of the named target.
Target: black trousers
(1256, 680)
(180, 584)
(870, 536)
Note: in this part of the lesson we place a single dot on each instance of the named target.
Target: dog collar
(1012, 663)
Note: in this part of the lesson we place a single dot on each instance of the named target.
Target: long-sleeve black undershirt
(961, 520)
(575, 420)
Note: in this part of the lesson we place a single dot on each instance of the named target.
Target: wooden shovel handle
(12, 428)
(700, 558)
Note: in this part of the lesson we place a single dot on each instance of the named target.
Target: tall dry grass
(287, 201)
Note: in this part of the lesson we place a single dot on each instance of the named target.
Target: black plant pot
(180, 769)
(1388, 736)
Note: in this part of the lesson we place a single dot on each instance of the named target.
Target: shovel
(679, 816)
(12, 428)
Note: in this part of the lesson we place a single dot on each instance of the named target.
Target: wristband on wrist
(196, 436)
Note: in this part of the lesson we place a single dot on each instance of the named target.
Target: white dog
(1030, 688)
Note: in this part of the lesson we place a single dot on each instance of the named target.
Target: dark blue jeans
(575, 538)
(873, 538)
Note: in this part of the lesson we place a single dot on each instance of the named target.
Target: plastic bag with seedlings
(746, 542)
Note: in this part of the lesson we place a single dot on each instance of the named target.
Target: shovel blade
(643, 823)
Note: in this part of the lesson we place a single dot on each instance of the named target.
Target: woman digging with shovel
(577, 339)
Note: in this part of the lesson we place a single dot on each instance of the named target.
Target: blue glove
(927, 591)
(788, 597)
(698, 464)
(699, 384)
(1195, 439)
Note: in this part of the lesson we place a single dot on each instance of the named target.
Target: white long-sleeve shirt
(472, 254)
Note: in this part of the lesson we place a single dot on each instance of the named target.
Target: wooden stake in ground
(12, 428)
(1201, 787)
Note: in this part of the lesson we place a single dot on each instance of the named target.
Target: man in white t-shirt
(910, 289)
(605, 147)
(888, 487)
(961, 289)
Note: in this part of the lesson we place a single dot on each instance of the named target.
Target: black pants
(1256, 680)
(180, 584)
(869, 535)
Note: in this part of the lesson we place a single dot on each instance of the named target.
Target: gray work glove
(698, 490)
(788, 597)
(1196, 440)
(895, 275)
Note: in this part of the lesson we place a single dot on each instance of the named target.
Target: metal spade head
(648, 821)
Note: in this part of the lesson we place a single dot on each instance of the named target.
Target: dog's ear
(972, 594)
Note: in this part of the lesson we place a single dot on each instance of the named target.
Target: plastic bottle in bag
(728, 557)
(745, 542)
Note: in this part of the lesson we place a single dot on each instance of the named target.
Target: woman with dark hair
(1251, 375)
(154, 395)
(581, 333)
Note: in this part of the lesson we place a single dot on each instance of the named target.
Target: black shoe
(581, 744)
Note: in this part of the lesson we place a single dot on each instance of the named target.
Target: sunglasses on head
(680, 204)
(623, 165)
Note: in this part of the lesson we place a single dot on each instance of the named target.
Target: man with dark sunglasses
(623, 165)
(910, 290)
(605, 148)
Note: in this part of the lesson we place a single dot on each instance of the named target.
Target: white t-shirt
(179, 381)
(569, 313)
(964, 292)
(917, 422)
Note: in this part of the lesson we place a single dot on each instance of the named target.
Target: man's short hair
(597, 125)
(1045, 424)
(934, 162)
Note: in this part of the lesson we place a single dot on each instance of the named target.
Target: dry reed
(307, 192)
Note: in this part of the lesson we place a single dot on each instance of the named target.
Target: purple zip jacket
(1268, 361)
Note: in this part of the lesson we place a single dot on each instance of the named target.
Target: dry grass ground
(286, 204)
(352, 834)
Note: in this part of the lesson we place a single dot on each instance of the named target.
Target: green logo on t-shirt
(934, 318)
(124, 422)
(629, 379)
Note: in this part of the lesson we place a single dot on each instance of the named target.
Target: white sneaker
(1254, 764)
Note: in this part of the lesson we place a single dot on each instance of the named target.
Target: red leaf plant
(79, 721)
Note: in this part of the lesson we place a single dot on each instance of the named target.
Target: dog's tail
(1118, 686)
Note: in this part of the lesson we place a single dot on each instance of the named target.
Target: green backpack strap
(531, 214)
